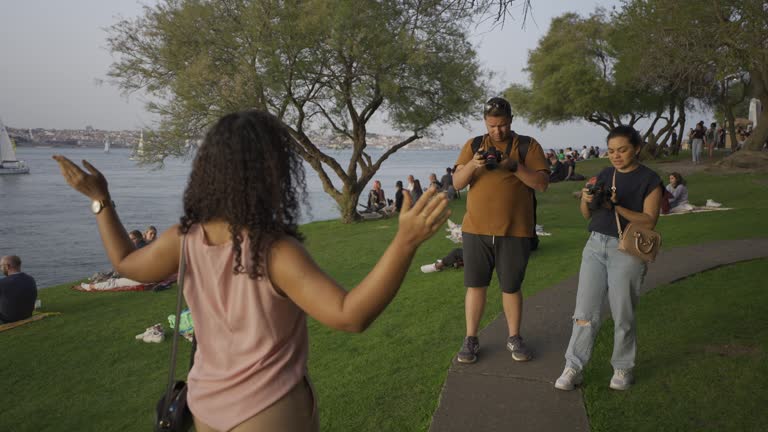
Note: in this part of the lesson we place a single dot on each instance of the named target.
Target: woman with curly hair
(249, 280)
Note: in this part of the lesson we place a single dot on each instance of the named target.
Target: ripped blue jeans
(606, 270)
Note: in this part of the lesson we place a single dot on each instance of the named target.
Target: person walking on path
(605, 270)
(498, 223)
(697, 140)
(711, 139)
(249, 280)
(18, 291)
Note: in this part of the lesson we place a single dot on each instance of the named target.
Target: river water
(52, 229)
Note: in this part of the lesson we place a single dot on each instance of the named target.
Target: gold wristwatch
(98, 205)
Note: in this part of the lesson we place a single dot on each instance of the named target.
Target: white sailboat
(106, 146)
(8, 162)
(138, 153)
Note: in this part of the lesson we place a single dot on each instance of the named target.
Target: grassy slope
(84, 371)
(703, 358)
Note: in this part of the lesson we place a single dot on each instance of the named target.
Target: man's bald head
(10, 264)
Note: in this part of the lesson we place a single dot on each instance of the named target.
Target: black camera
(492, 157)
(600, 194)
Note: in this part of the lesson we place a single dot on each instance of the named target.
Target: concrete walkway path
(499, 394)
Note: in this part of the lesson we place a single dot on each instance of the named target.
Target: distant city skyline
(56, 60)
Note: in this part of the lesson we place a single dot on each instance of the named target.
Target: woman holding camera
(605, 270)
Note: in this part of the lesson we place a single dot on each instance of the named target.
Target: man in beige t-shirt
(499, 223)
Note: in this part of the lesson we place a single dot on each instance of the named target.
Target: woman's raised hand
(421, 220)
(93, 184)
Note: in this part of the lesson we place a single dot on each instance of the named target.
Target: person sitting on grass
(558, 169)
(417, 190)
(455, 259)
(150, 234)
(678, 201)
(570, 164)
(137, 238)
(376, 199)
(249, 280)
(18, 291)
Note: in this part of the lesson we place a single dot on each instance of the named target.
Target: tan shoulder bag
(635, 239)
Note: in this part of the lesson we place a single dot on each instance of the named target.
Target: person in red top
(499, 223)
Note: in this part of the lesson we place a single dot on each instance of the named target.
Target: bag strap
(613, 189)
(179, 301)
(476, 143)
(523, 142)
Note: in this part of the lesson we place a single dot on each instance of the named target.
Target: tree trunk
(759, 86)
(347, 203)
(731, 126)
(681, 132)
(759, 134)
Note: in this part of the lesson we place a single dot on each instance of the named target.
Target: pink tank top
(252, 342)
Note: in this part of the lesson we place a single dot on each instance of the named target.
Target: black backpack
(523, 142)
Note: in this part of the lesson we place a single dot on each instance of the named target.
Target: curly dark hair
(246, 174)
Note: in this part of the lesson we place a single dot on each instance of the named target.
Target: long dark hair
(417, 186)
(678, 179)
(246, 174)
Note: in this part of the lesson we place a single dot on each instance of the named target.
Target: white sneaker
(569, 379)
(429, 268)
(713, 203)
(146, 333)
(155, 335)
(622, 379)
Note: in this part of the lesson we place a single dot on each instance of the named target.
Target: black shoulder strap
(476, 143)
(523, 142)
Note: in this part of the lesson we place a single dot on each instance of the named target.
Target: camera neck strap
(613, 190)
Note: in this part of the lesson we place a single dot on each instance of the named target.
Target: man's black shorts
(509, 255)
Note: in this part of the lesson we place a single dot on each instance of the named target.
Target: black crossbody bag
(172, 413)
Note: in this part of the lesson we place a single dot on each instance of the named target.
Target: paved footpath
(499, 394)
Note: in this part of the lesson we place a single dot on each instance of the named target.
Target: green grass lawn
(84, 371)
(702, 358)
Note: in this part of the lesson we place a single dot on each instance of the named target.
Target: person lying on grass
(249, 280)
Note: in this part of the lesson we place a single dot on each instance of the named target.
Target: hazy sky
(54, 56)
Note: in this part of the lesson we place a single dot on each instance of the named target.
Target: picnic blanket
(120, 284)
(123, 284)
(36, 316)
(114, 285)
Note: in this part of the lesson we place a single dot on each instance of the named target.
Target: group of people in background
(377, 200)
(562, 164)
(701, 138)
(140, 239)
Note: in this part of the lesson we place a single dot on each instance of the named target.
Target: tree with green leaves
(741, 29)
(579, 70)
(318, 65)
(571, 74)
(723, 44)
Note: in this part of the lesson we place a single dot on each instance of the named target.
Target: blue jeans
(696, 146)
(606, 270)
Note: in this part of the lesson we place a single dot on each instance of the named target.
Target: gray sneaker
(519, 350)
(469, 349)
(569, 379)
(622, 379)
